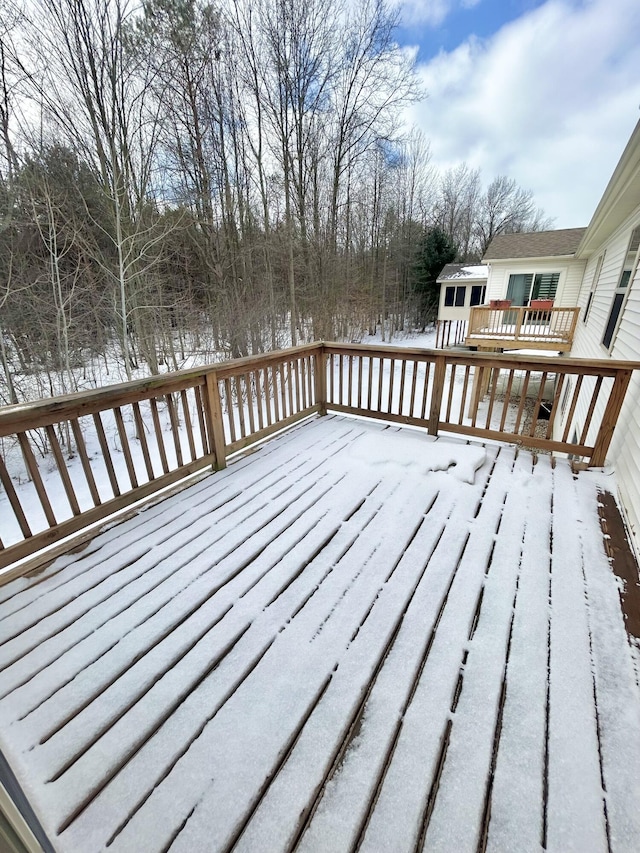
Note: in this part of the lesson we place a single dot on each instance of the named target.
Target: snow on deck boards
(357, 637)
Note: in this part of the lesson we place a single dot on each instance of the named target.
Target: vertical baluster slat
(536, 408)
(86, 464)
(197, 393)
(311, 379)
(240, 406)
(63, 470)
(452, 383)
(126, 450)
(16, 506)
(260, 397)
(175, 429)
(269, 395)
(507, 398)
(370, 383)
(158, 433)
(492, 396)
(106, 455)
(572, 407)
(414, 385)
(290, 381)
(380, 378)
(34, 473)
(392, 373)
(592, 406)
(187, 423)
(283, 390)
(465, 388)
(523, 398)
(142, 438)
(554, 405)
(403, 372)
(332, 367)
(425, 390)
(252, 421)
(302, 362)
(228, 396)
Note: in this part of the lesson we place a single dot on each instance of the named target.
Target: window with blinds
(545, 285)
(525, 286)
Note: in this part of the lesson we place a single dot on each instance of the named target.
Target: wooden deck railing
(132, 440)
(530, 328)
(88, 455)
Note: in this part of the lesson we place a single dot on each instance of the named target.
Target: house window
(478, 292)
(525, 286)
(545, 285)
(594, 284)
(616, 308)
(454, 296)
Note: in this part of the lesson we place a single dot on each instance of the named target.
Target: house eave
(620, 198)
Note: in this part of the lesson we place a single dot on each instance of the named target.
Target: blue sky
(544, 91)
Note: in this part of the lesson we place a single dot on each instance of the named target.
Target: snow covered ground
(357, 636)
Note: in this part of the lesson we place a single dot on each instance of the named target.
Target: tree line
(228, 176)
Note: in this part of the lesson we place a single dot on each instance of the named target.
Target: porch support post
(214, 418)
(436, 394)
(610, 418)
(321, 380)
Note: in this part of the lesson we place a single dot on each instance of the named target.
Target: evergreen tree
(436, 249)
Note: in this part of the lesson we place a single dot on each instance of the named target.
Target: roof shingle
(536, 244)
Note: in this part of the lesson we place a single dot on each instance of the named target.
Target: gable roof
(536, 244)
(466, 271)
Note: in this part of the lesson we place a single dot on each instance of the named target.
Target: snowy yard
(357, 637)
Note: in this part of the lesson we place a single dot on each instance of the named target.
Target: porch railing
(533, 328)
(68, 462)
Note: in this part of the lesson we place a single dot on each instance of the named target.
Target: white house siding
(571, 272)
(462, 312)
(624, 452)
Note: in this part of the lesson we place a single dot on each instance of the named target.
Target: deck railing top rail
(68, 462)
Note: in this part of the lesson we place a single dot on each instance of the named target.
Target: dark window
(588, 307)
(477, 294)
(460, 295)
(616, 308)
(594, 284)
(449, 296)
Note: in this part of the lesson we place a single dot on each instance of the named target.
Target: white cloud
(550, 100)
(429, 12)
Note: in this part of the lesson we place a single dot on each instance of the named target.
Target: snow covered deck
(518, 327)
(356, 637)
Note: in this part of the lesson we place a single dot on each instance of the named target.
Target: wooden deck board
(332, 646)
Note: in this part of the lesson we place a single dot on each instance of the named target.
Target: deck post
(436, 394)
(214, 412)
(610, 418)
(321, 380)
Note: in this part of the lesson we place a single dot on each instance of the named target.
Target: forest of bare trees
(226, 176)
